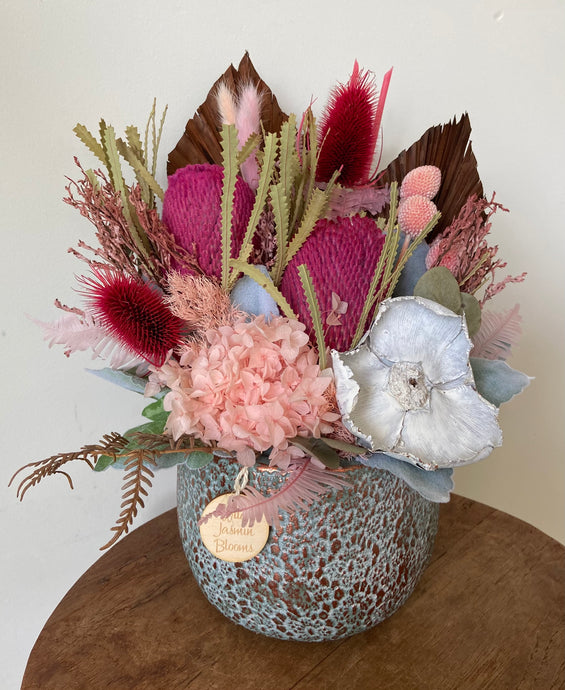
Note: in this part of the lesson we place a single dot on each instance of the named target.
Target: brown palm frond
(110, 444)
(201, 142)
(138, 473)
(448, 147)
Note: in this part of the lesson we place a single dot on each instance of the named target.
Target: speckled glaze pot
(339, 568)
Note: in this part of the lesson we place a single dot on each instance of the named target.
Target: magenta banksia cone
(414, 213)
(424, 180)
(341, 257)
(192, 212)
(349, 129)
(133, 313)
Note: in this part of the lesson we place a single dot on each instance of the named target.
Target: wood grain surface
(488, 613)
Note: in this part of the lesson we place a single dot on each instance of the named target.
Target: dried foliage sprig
(110, 444)
(138, 477)
(97, 200)
(463, 249)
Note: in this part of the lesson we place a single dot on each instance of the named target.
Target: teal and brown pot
(339, 568)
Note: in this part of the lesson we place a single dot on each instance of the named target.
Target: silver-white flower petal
(362, 405)
(415, 329)
(408, 388)
(459, 428)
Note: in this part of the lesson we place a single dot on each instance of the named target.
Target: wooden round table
(488, 613)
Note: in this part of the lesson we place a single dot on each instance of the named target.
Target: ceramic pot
(326, 573)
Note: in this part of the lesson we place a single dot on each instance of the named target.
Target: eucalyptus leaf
(434, 485)
(472, 310)
(155, 411)
(440, 285)
(496, 381)
(318, 449)
(103, 462)
(196, 459)
(345, 447)
(125, 379)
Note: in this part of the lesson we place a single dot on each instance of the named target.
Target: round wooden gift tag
(227, 539)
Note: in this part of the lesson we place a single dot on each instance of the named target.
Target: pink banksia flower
(133, 313)
(414, 213)
(192, 212)
(350, 127)
(423, 181)
(341, 257)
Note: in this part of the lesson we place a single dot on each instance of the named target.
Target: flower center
(407, 383)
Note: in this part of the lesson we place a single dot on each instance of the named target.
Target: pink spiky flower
(133, 313)
(341, 257)
(350, 127)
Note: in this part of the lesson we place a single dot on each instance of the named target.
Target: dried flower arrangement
(289, 306)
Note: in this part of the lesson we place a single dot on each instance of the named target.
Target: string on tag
(241, 480)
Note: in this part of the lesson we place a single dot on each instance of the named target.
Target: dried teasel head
(133, 313)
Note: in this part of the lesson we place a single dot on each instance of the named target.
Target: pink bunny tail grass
(226, 103)
(248, 122)
(191, 211)
(341, 257)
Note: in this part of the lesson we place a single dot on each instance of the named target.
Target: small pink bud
(423, 181)
(414, 213)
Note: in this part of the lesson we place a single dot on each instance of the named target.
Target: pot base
(339, 568)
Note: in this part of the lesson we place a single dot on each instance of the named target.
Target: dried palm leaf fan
(200, 142)
(449, 148)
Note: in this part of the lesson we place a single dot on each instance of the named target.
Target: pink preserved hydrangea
(250, 387)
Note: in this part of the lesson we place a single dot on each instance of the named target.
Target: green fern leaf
(279, 202)
(229, 160)
(314, 308)
(90, 141)
(267, 169)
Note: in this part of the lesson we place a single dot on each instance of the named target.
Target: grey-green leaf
(318, 449)
(196, 459)
(496, 381)
(440, 285)
(472, 310)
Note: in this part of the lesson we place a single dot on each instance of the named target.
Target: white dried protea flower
(407, 389)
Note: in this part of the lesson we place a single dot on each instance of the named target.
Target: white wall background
(69, 61)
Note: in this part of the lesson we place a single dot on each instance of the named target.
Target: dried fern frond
(138, 474)
(110, 444)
